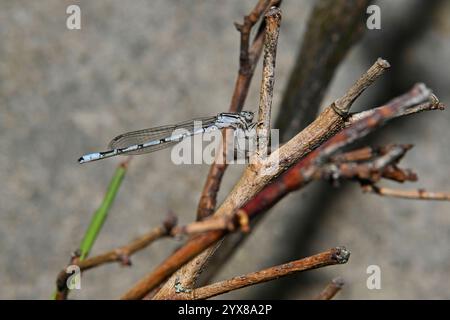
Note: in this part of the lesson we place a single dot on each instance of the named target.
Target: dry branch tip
(341, 254)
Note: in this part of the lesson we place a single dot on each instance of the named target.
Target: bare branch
(293, 179)
(187, 276)
(338, 255)
(273, 20)
(331, 289)
(371, 171)
(121, 254)
(333, 27)
(418, 194)
(248, 59)
(433, 104)
(330, 121)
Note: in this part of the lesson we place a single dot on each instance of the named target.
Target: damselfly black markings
(153, 139)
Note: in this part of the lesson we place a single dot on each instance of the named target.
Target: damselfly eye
(248, 115)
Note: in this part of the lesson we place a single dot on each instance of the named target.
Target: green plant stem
(102, 212)
(97, 220)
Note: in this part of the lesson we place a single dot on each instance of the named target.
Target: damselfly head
(247, 115)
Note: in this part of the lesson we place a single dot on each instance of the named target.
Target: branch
(273, 20)
(333, 27)
(331, 289)
(248, 59)
(96, 224)
(338, 255)
(293, 179)
(121, 254)
(365, 153)
(419, 194)
(433, 104)
(371, 171)
(330, 121)
(327, 124)
(187, 276)
(256, 177)
(379, 167)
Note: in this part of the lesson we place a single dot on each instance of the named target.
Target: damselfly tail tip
(81, 160)
(90, 157)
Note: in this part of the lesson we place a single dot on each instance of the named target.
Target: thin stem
(433, 104)
(94, 227)
(331, 289)
(417, 194)
(333, 27)
(101, 214)
(248, 59)
(338, 255)
(273, 20)
(121, 254)
(188, 275)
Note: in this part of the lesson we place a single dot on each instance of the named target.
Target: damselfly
(153, 139)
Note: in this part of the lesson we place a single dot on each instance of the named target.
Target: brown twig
(372, 170)
(327, 124)
(187, 276)
(360, 154)
(418, 194)
(293, 179)
(259, 174)
(333, 27)
(121, 254)
(331, 289)
(338, 255)
(433, 104)
(273, 21)
(248, 59)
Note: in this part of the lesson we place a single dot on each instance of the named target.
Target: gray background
(140, 63)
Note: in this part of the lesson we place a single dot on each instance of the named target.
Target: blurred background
(137, 64)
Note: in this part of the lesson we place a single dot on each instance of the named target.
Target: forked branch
(294, 178)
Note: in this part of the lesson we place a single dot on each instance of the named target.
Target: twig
(121, 254)
(334, 26)
(325, 126)
(330, 121)
(331, 289)
(361, 154)
(273, 21)
(291, 180)
(187, 276)
(433, 104)
(365, 153)
(371, 171)
(419, 194)
(102, 212)
(248, 59)
(338, 255)
(230, 223)
(255, 177)
(96, 225)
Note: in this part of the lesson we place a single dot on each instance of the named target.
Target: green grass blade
(100, 215)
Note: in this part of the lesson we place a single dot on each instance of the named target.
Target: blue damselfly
(153, 139)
